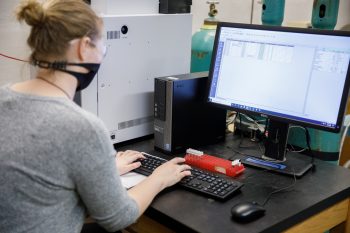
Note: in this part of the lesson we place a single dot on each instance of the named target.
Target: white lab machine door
(153, 46)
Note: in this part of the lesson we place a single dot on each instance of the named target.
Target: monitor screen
(293, 75)
(289, 75)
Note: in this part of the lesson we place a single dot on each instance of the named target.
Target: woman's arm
(164, 176)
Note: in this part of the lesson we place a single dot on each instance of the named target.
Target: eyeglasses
(104, 48)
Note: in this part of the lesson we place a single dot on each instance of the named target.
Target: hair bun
(31, 11)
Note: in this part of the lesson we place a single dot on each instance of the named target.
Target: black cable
(281, 189)
(308, 139)
(240, 129)
(273, 192)
(241, 153)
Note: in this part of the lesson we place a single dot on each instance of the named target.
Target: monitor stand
(275, 157)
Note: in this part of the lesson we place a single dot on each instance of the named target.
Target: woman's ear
(84, 48)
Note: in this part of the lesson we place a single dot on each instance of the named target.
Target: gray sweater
(56, 166)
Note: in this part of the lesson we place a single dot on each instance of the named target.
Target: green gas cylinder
(203, 41)
(272, 12)
(325, 14)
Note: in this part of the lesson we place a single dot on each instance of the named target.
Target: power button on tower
(124, 29)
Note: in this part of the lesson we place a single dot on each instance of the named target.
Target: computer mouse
(247, 212)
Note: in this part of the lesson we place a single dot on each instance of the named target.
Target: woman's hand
(126, 161)
(171, 172)
(165, 175)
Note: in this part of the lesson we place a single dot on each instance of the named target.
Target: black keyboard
(200, 181)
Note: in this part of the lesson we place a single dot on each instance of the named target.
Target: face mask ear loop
(57, 65)
(62, 65)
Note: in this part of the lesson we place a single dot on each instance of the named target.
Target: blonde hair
(55, 23)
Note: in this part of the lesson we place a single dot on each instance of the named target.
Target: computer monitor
(289, 75)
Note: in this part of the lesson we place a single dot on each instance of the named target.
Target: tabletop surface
(186, 211)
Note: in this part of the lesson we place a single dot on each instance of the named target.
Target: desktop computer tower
(182, 117)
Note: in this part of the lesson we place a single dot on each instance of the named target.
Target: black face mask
(84, 79)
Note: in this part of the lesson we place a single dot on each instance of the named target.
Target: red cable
(13, 58)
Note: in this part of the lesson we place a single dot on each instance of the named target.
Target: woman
(57, 164)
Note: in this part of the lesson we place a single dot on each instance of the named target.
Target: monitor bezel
(345, 93)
